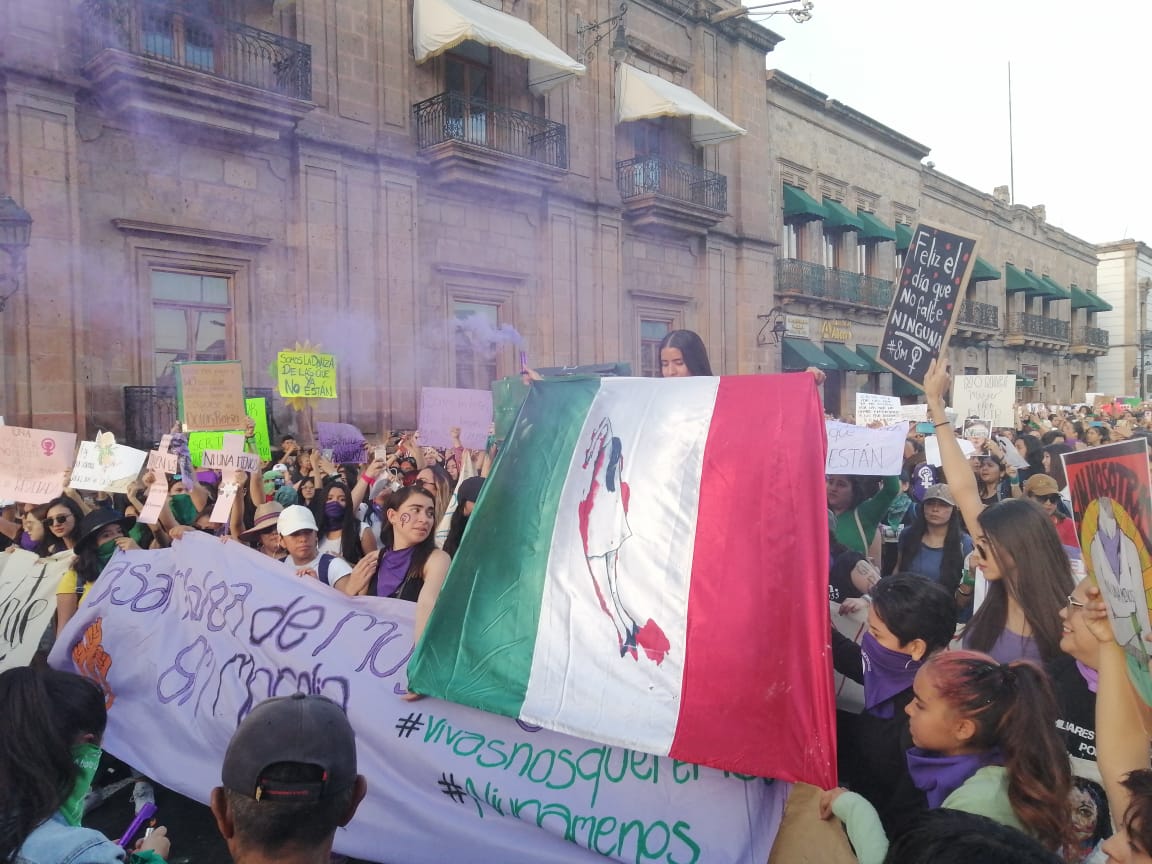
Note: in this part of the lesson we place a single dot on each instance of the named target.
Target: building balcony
(150, 58)
(1038, 332)
(479, 143)
(1090, 341)
(671, 196)
(804, 280)
(977, 322)
(151, 411)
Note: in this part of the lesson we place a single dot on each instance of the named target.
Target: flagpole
(1011, 148)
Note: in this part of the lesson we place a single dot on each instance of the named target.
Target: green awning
(846, 358)
(1055, 290)
(874, 229)
(1095, 301)
(801, 206)
(900, 387)
(982, 271)
(869, 354)
(799, 354)
(841, 217)
(1016, 279)
(903, 237)
(1082, 299)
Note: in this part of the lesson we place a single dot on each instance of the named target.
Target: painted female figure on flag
(604, 527)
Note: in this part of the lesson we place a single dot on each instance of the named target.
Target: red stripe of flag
(757, 686)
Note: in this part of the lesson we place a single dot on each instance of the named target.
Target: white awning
(440, 25)
(642, 96)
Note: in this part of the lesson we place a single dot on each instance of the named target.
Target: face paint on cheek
(405, 518)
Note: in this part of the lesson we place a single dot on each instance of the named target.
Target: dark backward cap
(299, 729)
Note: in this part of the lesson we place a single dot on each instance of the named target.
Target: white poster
(989, 397)
(864, 451)
(27, 602)
(105, 466)
(184, 641)
(932, 450)
(876, 408)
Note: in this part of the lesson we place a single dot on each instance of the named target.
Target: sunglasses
(57, 520)
(982, 551)
(1073, 604)
(1048, 499)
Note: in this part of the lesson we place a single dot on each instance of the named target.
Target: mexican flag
(647, 566)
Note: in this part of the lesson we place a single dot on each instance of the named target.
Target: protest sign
(27, 602)
(210, 396)
(257, 409)
(977, 430)
(33, 463)
(988, 396)
(917, 413)
(926, 301)
(185, 641)
(932, 450)
(105, 466)
(230, 457)
(306, 375)
(444, 408)
(1111, 493)
(864, 451)
(344, 440)
(875, 408)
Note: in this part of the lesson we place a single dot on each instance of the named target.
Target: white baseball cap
(295, 518)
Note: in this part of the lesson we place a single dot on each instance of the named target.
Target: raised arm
(957, 471)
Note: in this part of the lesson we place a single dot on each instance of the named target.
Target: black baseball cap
(301, 729)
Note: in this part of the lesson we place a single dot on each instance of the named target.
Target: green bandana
(87, 759)
(183, 509)
(104, 552)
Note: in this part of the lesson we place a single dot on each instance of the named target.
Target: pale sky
(937, 72)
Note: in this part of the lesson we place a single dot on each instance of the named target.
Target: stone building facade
(851, 190)
(217, 179)
(1124, 278)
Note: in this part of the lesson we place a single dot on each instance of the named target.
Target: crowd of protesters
(999, 721)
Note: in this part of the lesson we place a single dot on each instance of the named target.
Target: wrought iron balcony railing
(150, 412)
(1091, 336)
(977, 314)
(823, 283)
(646, 175)
(1037, 325)
(457, 117)
(162, 30)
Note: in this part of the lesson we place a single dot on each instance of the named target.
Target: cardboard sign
(444, 408)
(917, 413)
(27, 602)
(991, 397)
(926, 301)
(875, 408)
(33, 463)
(1111, 493)
(231, 457)
(210, 396)
(257, 409)
(344, 440)
(105, 466)
(868, 452)
(306, 375)
(183, 658)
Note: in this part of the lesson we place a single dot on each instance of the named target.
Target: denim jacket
(57, 842)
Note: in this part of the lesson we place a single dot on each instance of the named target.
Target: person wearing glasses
(1016, 546)
(1043, 490)
(63, 525)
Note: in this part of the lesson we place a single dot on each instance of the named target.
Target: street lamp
(597, 30)
(15, 235)
(801, 12)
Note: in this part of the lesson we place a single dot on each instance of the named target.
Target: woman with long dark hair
(101, 533)
(50, 734)
(934, 545)
(63, 523)
(1028, 574)
(409, 566)
(340, 532)
(466, 494)
(683, 355)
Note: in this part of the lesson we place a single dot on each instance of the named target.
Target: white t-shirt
(332, 545)
(338, 568)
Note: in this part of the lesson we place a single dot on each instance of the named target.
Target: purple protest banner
(344, 440)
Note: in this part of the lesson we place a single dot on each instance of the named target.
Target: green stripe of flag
(477, 648)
